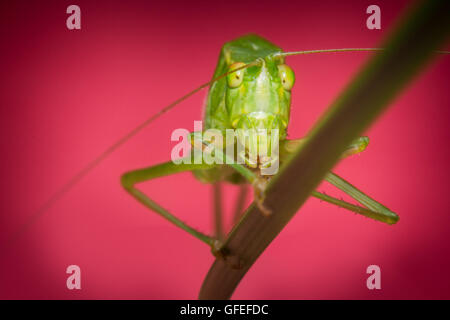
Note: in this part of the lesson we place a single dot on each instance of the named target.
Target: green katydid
(251, 88)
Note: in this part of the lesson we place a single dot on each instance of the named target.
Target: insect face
(259, 98)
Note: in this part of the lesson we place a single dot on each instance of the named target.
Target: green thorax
(260, 102)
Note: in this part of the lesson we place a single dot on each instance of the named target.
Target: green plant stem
(408, 49)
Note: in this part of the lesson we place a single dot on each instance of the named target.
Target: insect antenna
(65, 188)
(294, 53)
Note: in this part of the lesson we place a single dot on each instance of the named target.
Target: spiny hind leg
(372, 209)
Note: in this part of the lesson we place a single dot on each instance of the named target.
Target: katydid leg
(257, 182)
(375, 210)
(218, 210)
(240, 202)
(130, 179)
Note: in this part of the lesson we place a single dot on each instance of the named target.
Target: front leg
(130, 179)
(258, 182)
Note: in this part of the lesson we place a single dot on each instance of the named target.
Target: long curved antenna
(99, 159)
(294, 53)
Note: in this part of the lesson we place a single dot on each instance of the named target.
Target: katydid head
(258, 99)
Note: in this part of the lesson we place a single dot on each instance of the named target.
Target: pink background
(67, 95)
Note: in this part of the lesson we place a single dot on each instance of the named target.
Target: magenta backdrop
(67, 95)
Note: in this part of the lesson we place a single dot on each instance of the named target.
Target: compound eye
(287, 76)
(235, 79)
